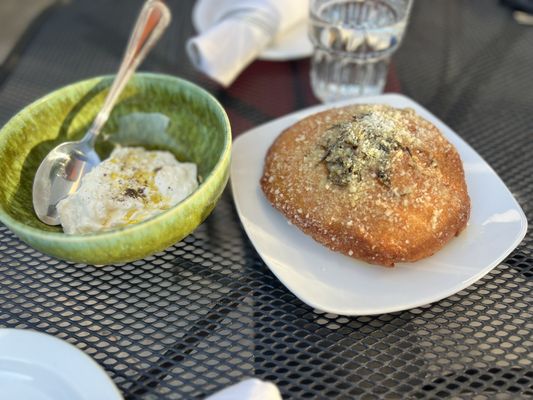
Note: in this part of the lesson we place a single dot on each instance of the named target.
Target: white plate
(293, 44)
(36, 366)
(339, 284)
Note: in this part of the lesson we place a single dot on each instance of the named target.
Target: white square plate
(339, 284)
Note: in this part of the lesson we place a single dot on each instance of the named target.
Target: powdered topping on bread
(363, 147)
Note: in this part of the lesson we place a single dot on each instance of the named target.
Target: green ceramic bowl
(155, 111)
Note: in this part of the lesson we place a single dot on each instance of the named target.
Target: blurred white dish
(36, 366)
(293, 44)
(339, 284)
(249, 389)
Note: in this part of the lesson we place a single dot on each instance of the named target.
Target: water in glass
(353, 41)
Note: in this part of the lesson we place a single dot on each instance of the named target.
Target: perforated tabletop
(207, 312)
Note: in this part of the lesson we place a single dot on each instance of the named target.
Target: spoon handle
(150, 25)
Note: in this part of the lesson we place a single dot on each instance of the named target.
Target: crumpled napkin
(250, 389)
(241, 30)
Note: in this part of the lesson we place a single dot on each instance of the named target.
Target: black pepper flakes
(134, 193)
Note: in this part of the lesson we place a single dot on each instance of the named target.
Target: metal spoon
(61, 171)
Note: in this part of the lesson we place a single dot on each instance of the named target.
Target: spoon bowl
(59, 175)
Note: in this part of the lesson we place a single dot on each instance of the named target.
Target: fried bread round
(373, 182)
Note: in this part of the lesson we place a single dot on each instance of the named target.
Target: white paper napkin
(241, 30)
(250, 389)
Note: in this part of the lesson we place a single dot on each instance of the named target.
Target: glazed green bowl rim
(154, 220)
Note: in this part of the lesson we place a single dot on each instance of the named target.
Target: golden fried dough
(373, 182)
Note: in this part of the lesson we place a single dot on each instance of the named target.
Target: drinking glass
(353, 42)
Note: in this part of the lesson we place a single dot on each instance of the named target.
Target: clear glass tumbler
(353, 41)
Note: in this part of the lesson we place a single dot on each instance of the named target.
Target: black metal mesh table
(207, 312)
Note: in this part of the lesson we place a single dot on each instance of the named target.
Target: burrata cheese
(133, 184)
